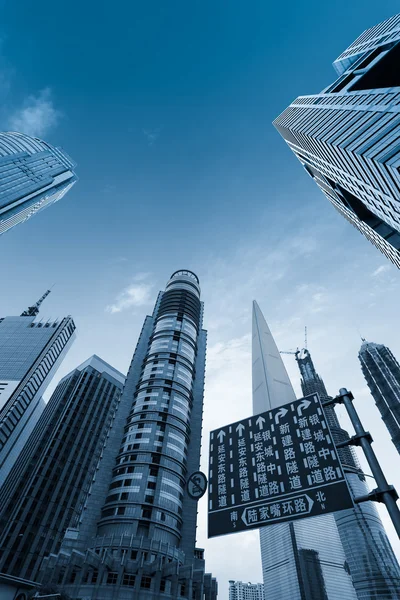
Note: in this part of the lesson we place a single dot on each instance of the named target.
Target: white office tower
(239, 590)
(304, 559)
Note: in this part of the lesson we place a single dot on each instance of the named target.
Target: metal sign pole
(384, 492)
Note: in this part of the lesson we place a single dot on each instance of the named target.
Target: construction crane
(294, 352)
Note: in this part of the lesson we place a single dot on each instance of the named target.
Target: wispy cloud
(151, 135)
(37, 115)
(138, 293)
(380, 270)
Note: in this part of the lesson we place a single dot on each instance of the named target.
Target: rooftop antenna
(305, 337)
(32, 311)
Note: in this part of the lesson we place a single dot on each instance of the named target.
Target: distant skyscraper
(382, 373)
(47, 488)
(239, 590)
(30, 353)
(303, 559)
(138, 533)
(347, 137)
(373, 565)
(33, 175)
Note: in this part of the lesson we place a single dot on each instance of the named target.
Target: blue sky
(167, 109)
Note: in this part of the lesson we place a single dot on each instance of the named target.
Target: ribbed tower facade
(46, 490)
(382, 374)
(347, 137)
(304, 559)
(138, 533)
(33, 175)
(30, 353)
(372, 563)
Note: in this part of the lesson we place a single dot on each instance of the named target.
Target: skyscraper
(33, 175)
(382, 374)
(239, 590)
(138, 533)
(30, 353)
(47, 487)
(372, 563)
(303, 557)
(347, 137)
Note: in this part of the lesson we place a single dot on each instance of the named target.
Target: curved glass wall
(146, 491)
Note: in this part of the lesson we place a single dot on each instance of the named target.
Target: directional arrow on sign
(303, 406)
(221, 436)
(281, 413)
(240, 428)
(260, 422)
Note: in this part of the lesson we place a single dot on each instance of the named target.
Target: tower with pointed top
(30, 353)
(371, 560)
(303, 559)
(382, 374)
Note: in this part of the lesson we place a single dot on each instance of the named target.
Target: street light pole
(384, 492)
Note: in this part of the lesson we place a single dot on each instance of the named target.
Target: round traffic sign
(197, 485)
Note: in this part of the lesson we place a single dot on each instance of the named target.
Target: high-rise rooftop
(347, 137)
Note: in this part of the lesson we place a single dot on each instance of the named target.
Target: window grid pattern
(347, 139)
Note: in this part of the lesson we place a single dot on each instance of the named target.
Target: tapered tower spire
(271, 384)
(32, 311)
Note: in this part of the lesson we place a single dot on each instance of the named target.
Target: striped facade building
(137, 536)
(47, 488)
(33, 175)
(31, 351)
(348, 136)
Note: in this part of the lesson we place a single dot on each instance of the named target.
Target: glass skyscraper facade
(46, 490)
(30, 353)
(369, 555)
(303, 559)
(33, 175)
(347, 137)
(382, 374)
(137, 537)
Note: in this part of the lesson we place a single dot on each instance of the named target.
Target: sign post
(278, 466)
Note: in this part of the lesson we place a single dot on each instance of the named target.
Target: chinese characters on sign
(273, 467)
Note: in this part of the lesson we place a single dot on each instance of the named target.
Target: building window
(134, 554)
(128, 580)
(145, 582)
(112, 578)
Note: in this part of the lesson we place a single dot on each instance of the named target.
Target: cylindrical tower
(142, 519)
(146, 491)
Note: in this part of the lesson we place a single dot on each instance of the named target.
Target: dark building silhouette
(46, 489)
(382, 374)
